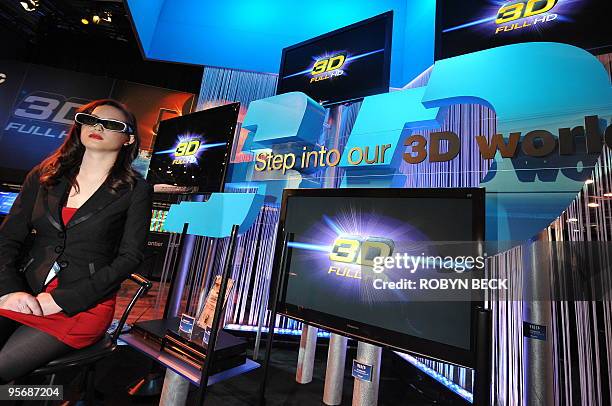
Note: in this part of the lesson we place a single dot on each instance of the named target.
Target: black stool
(88, 356)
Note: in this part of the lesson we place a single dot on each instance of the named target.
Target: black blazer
(100, 246)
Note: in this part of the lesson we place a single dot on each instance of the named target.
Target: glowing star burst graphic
(188, 149)
(317, 249)
(330, 62)
(516, 16)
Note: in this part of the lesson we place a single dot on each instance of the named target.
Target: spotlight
(30, 5)
(593, 204)
(84, 21)
(608, 194)
(102, 17)
(588, 182)
(572, 220)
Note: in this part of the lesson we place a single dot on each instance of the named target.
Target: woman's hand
(21, 302)
(47, 304)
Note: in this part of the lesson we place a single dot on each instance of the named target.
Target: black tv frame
(387, 63)
(364, 332)
(230, 144)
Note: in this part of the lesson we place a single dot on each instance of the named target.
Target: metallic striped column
(538, 371)
(366, 393)
(334, 374)
(306, 356)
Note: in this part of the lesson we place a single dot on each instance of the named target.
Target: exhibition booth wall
(580, 332)
(577, 338)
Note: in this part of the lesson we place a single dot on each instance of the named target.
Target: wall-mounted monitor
(342, 65)
(158, 217)
(473, 25)
(6, 202)
(193, 150)
(328, 280)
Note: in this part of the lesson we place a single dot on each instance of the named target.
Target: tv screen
(329, 279)
(345, 64)
(193, 150)
(158, 217)
(6, 201)
(473, 25)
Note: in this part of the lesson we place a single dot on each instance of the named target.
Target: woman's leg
(7, 327)
(27, 349)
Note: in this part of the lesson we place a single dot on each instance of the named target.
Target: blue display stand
(215, 217)
(222, 215)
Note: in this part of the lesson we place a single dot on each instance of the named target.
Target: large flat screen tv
(472, 25)
(342, 65)
(326, 280)
(193, 150)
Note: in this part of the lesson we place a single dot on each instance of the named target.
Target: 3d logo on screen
(344, 245)
(328, 67)
(514, 17)
(188, 149)
(349, 250)
(542, 91)
(531, 13)
(331, 65)
(44, 114)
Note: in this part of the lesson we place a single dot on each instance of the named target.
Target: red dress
(78, 331)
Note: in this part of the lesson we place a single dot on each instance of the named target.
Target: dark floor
(400, 384)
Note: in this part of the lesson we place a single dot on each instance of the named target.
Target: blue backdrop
(250, 35)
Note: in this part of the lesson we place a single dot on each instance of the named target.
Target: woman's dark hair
(66, 160)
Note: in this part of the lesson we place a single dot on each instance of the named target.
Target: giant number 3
(530, 86)
(43, 105)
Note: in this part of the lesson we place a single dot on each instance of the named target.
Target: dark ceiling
(66, 15)
(53, 35)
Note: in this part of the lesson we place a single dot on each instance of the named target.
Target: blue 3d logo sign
(542, 91)
(545, 94)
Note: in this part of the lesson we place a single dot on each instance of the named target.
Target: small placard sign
(187, 323)
(534, 331)
(206, 336)
(362, 371)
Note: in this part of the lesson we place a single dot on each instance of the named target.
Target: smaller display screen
(6, 201)
(193, 150)
(345, 64)
(158, 217)
(473, 25)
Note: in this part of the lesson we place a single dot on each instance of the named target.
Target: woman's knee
(26, 350)
(10, 368)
